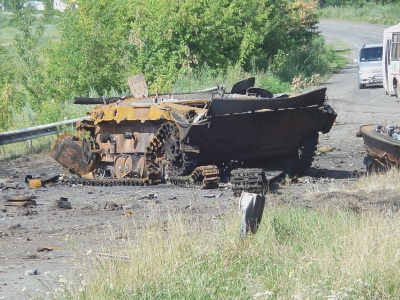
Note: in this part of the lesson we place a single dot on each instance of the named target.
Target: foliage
(15, 4)
(30, 72)
(296, 254)
(354, 3)
(92, 52)
(305, 60)
(369, 13)
(103, 42)
(183, 37)
(49, 10)
(5, 107)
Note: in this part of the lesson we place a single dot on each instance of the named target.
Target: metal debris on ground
(32, 272)
(127, 211)
(63, 203)
(252, 206)
(19, 200)
(382, 143)
(9, 184)
(325, 149)
(38, 181)
(35, 183)
(209, 196)
(47, 249)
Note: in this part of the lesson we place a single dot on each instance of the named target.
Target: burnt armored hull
(260, 134)
(382, 143)
(196, 136)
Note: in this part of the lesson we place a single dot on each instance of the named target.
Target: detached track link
(106, 182)
(205, 176)
(250, 180)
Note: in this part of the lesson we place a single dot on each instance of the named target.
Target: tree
(15, 4)
(92, 52)
(172, 37)
(104, 42)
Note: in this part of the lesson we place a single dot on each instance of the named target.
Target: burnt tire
(301, 161)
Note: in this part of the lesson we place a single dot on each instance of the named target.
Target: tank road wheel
(119, 166)
(128, 164)
(302, 160)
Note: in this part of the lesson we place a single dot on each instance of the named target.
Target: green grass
(296, 254)
(369, 13)
(8, 30)
(207, 78)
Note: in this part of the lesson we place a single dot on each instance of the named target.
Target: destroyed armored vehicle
(382, 143)
(247, 135)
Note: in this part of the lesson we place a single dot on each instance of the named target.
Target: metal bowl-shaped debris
(18, 197)
(19, 200)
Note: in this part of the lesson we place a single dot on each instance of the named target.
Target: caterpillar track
(205, 177)
(192, 139)
(253, 180)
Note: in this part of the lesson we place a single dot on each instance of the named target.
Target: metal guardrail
(33, 132)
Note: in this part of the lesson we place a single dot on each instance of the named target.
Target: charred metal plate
(242, 86)
(257, 135)
(67, 150)
(230, 105)
(138, 86)
(379, 145)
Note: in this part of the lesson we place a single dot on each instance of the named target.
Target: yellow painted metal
(141, 110)
(35, 183)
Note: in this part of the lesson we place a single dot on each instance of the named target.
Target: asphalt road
(355, 107)
(343, 86)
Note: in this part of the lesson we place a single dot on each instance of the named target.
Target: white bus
(391, 60)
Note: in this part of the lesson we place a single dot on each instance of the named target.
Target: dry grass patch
(297, 253)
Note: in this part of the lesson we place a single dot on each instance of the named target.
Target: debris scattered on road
(19, 200)
(9, 184)
(110, 205)
(252, 206)
(35, 183)
(63, 203)
(325, 149)
(40, 180)
(32, 272)
(210, 196)
(47, 249)
(127, 211)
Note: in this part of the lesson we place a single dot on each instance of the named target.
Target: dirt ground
(34, 251)
(35, 256)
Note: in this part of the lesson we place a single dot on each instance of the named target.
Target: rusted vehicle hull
(196, 137)
(382, 143)
(256, 135)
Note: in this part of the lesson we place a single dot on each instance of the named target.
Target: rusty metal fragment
(382, 143)
(19, 200)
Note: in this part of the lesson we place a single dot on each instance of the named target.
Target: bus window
(395, 53)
